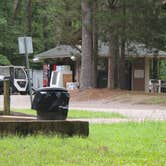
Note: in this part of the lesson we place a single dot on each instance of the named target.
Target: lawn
(79, 114)
(116, 144)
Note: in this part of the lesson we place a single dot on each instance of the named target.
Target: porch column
(77, 73)
(147, 73)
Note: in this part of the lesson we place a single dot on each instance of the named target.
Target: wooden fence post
(6, 89)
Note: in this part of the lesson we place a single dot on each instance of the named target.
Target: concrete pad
(29, 125)
(11, 118)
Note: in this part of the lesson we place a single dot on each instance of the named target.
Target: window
(19, 73)
(54, 78)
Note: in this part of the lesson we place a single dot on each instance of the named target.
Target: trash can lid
(50, 89)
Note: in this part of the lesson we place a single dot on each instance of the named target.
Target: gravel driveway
(133, 111)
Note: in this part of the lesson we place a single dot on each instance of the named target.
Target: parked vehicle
(17, 76)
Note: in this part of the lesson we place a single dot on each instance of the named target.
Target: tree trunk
(110, 73)
(95, 48)
(86, 58)
(29, 16)
(16, 6)
(111, 60)
(122, 66)
(122, 69)
(44, 25)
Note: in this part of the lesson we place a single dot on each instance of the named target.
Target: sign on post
(29, 46)
(6, 87)
(25, 47)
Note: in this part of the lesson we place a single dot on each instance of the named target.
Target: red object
(45, 75)
(54, 67)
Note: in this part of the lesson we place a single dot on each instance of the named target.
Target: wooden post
(6, 88)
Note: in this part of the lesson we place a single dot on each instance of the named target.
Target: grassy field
(78, 114)
(116, 144)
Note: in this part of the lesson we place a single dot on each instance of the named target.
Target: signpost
(25, 47)
(6, 87)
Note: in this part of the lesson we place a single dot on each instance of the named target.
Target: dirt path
(134, 105)
(128, 104)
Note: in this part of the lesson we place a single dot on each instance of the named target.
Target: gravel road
(133, 111)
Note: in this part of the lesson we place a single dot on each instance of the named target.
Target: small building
(140, 64)
(141, 59)
(61, 55)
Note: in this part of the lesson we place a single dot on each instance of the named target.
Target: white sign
(138, 73)
(25, 42)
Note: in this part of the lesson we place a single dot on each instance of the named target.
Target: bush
(4, 60)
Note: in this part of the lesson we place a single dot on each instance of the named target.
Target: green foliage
(143, 22)
(66, 20)
(59, 21)
(9, 31)
(52, 22)
(163, 70)
(4, 61)
(2, 22)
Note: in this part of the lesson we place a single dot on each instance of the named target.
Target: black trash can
(51, 103)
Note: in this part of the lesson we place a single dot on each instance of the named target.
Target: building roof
(60, 51)
(132, 50)
(140, 50)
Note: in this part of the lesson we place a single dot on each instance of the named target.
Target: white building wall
(37, 78)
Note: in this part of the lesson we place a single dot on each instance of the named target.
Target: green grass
(25, 111)
(79, 114)
(129, 144)
(90, 114)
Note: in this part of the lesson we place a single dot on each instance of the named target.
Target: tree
(52, 22)
(94, 44)
(4, 61)
(108, 15)
(65, 17)
(124, 22)
(86, 58)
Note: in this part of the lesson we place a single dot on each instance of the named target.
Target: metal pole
(27, 65)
